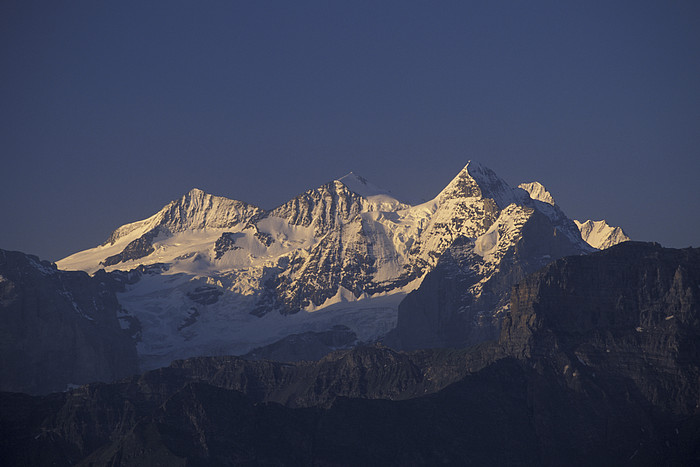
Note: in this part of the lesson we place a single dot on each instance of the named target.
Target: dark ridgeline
(597, 363)
(59, 328)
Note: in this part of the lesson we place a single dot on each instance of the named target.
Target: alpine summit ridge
(220, 276)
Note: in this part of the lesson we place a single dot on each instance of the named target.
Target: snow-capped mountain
(600, 235)
(464, 298)
(538, 191)
(219, 276)
(133, 244)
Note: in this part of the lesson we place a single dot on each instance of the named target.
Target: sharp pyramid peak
(476, 169)
(480, 172)
(353, 176)
(477, 172)
(351, 179)
(476, 180)
(475, 165)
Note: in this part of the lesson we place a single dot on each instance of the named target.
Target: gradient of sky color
(112, 109)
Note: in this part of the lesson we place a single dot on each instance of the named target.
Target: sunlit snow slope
(600, 235)
(218, 276)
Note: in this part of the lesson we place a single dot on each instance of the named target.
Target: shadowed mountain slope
(597, 364)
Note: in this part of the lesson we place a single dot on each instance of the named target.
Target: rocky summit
(228, 277)
(597, 363)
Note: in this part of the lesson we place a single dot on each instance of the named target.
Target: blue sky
(112, 109)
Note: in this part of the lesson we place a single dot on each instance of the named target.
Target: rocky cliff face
(631, 313)
(323, 208)
(597, 364)
(58, 328)
(464, 298)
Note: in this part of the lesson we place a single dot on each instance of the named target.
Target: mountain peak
(195, 192)
(352, 176)
(379, 198)
(478, 181)
(601, 235)
(361, 185)
(538, 192)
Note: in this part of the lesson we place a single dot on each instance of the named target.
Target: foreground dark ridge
(597, 364)
(58, 328)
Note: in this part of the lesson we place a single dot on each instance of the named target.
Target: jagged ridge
(600, 235)
(355, 255)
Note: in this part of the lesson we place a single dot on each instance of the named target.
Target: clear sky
(109, 110)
